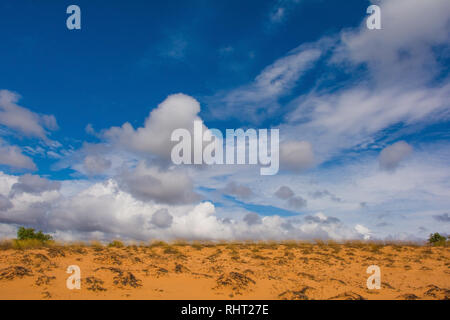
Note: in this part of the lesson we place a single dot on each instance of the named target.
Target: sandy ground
(227, 271)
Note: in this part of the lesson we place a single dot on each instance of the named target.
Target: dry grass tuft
(116, 244)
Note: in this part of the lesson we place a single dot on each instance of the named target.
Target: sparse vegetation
(197, 245)
(30, 234)
(158, 244)
(437, 239)
(116, 244)
(296, 269)
(28, 238)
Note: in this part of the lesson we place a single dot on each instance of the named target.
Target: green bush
(436, 239)
(116, 244)
(29, 234)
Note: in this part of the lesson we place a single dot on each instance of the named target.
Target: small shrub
(29, 234)
(437, 239)
(290, 244)
(96, 244)
(180, 243)
(171, 250)
(197, 245)
(116, 244)
(158, 244)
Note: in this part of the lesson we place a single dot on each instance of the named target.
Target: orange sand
(227, 271)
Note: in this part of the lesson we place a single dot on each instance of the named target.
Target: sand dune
(293, 271)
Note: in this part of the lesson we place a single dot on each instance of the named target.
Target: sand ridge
(292, 271)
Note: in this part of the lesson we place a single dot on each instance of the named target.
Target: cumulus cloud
(95, 160)
(33, 184)
(284, 193)
(152, 184)
(324, 193)
(320, 218)
(95, 164)
(22, 119)
(5, 203)
(28, 211)
(162, 218)
(391, 156)
(411, 29)
(297, 202)
(154, 136)
(364, 231)
(105, 211)
(296, 155)
(238, 190)
(252, 218)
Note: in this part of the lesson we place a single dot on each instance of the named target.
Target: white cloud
(96, 164)
(238, 190)
(105, 211)
(391, 156)
(5, 203)
(33, 184)
(13, 157)
(259, 99)
(154, 137)
(22, 119)
(284, 193)
(152, 184)
(297, 202)
(162, 218)
(252, 218)
(348, 118)
(363, 230)
(399, 86)
(296, 155)
(404, 46)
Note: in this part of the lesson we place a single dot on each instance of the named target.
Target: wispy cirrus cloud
(259, 99)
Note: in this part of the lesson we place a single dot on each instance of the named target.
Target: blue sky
(128, 58)
(363, 118)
